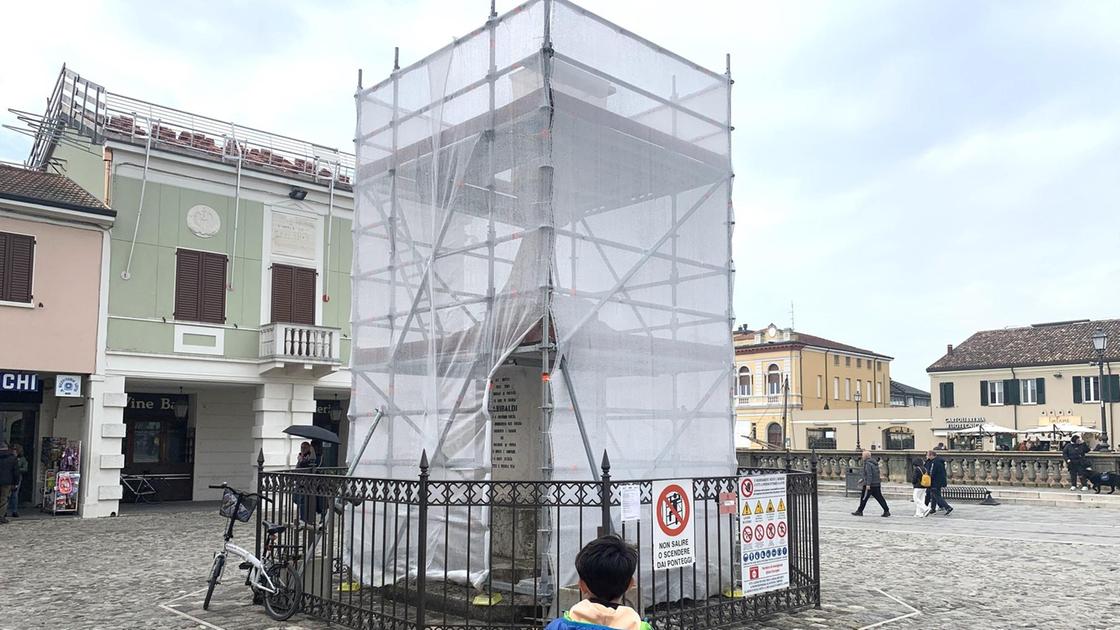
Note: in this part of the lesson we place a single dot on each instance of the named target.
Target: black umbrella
(313, 432)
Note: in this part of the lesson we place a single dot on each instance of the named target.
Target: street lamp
(1100, 343)
(859, 397)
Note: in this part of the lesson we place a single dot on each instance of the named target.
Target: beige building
(1023, 378)
(782, 372)
(54, 246)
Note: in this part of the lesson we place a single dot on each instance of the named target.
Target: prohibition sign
(759, 532)
(770, 530)
(781, 530)
(746, 487)
(748, 534)
(667, 505)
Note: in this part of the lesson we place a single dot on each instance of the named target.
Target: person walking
(872, 486)
(9, 477)
(21, 473)
(921, 480)
(1074, 454)
(939, 478)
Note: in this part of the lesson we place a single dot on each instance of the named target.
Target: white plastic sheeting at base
(547, 172)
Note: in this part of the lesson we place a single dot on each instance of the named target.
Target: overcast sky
(907, 172)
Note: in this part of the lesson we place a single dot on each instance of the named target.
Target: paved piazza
(983, 567)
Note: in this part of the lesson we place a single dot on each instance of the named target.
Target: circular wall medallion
(203, 221)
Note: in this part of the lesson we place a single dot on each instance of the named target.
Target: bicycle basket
(244, 511)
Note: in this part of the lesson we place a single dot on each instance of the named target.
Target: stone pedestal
(515, 456)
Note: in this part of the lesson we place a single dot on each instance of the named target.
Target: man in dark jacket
(872, 485)
(1074, 454)
(9, 475)
(939, 478)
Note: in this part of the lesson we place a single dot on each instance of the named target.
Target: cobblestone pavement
(981, 567)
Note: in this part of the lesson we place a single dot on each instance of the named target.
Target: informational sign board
(68, 386)
(764, 533)
(673, 542)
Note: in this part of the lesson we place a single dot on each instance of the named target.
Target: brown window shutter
(303, 296)
(282, 293)
(212, 302)
(4, 266)
(188, 276)
(17, 267)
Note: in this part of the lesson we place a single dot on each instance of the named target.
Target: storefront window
(898, 439)
(821, 438)
(146, 442)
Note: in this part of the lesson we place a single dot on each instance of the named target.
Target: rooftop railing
(96, 113)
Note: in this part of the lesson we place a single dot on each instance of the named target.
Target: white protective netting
(547, 162)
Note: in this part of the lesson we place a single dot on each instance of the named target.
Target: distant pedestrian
(872, 485)
(9, 477)
(306, 502)
(939, 478)
(21, 474)
(1074, 453)
(921, 480)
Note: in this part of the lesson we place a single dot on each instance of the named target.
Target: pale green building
(228, 295)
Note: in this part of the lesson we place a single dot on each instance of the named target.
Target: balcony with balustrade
(294, 349)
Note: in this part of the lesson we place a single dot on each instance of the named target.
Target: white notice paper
(631, 497)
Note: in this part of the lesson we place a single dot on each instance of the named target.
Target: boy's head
(606, 567)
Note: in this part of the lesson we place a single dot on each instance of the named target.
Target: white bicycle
(276, 577)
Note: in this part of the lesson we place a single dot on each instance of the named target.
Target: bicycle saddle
(273, 528)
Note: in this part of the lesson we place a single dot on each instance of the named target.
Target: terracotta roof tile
(49, 189)
(1058, 343)
(801, 340)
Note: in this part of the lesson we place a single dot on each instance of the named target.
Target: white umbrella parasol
(1063, 427)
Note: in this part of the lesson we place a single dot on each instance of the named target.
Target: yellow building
(780, 371)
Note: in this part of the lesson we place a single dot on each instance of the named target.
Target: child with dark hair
(606, 568)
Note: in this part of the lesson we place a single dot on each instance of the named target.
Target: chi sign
(673, 542)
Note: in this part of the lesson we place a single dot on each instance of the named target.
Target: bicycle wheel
(285, 601)
(215, 575)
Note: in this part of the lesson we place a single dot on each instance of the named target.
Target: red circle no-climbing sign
(746, 487)
(674, 509)
(781, 530)
(770, 531)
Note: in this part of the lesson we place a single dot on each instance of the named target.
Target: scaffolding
(550, 192)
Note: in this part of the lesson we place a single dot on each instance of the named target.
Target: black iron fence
(501, 554)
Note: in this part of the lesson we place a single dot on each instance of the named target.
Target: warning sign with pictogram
(673, 542)
(764, 533)
(746, 487)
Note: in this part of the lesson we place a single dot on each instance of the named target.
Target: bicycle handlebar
(225, 486)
